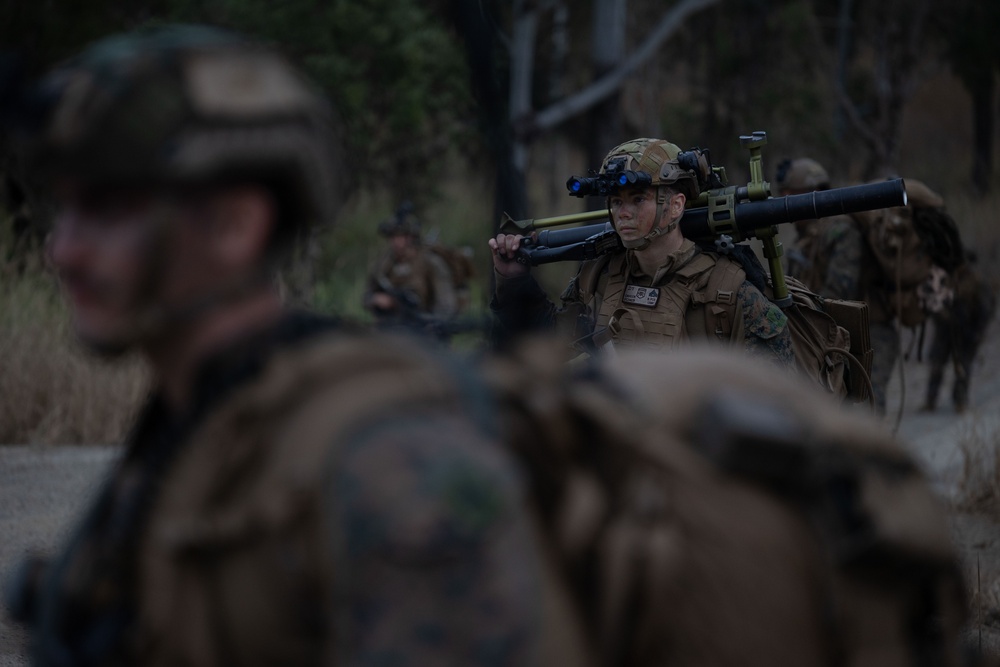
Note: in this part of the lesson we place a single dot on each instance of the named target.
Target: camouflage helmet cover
(400, 225)
(191, 105)
(656, 157)
(803, 174)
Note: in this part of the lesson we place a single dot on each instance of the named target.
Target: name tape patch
(641, 296)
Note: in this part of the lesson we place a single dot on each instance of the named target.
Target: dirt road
(43, 489)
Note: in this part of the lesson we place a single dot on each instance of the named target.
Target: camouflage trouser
(885, 342)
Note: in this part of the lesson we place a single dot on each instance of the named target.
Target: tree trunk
(982, 138)
(604, 120)
(480, 33)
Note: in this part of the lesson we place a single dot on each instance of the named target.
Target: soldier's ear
(676, 204)
(243, 220)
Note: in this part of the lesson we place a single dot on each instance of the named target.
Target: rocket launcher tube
(741, 222)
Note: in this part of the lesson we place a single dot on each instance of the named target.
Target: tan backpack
(461, 268)
(831, 341)
(908, 245)
(698, 509)
(709, 512)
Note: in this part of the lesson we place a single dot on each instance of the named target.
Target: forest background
(471, 108)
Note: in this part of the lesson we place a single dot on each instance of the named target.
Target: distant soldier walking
(409, 283)
(959, 331)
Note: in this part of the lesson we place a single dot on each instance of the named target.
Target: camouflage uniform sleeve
(520, 306)
(843, 246)
(766, 332)
(436, 563)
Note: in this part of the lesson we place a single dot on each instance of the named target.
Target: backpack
(460, 267)
(707, 511)
(908, 248)
(831, 341)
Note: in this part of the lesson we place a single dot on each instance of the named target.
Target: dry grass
(51, 391)
(979, 487)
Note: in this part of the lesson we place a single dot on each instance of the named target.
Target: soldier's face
(99, 240)
(634, 212)
(402, 245)
(125, 255)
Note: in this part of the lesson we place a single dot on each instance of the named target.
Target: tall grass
(51, 391)
(979, 486)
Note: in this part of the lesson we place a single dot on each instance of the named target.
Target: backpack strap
(717, 300)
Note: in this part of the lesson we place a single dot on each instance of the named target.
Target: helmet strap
(661, 199)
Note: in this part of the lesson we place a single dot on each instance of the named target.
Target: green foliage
(393, 69)
(396, 74)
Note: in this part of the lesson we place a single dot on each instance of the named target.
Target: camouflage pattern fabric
(827, 257)
(521, 307)
(427, 556)
(885, 343)
(766, 333)
(430, 512)
(421, 284)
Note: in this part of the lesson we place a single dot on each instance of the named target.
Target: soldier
(286, 497)
(836, 258)
(904, 248)
(409, 283)
(959, 330)
(826, 255)
(661, 290)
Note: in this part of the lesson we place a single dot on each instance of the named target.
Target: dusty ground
(959, 454)
(42, 489)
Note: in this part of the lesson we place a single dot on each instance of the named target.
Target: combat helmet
(404, 222)
(654, 163)
(189, 105)
(803, 174)
(658, 159)
(919, 195)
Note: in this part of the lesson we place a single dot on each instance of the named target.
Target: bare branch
(610, 82)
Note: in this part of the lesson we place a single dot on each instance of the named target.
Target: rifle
(720, 218)
(409, 318)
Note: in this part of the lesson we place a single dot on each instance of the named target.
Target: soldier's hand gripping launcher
(720, 217)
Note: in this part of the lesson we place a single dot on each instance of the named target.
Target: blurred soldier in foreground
(662, 290)
(409, 282)
(959, 330)
(285, 497)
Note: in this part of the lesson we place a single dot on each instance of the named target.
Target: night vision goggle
(605, 184)
(614, 177)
